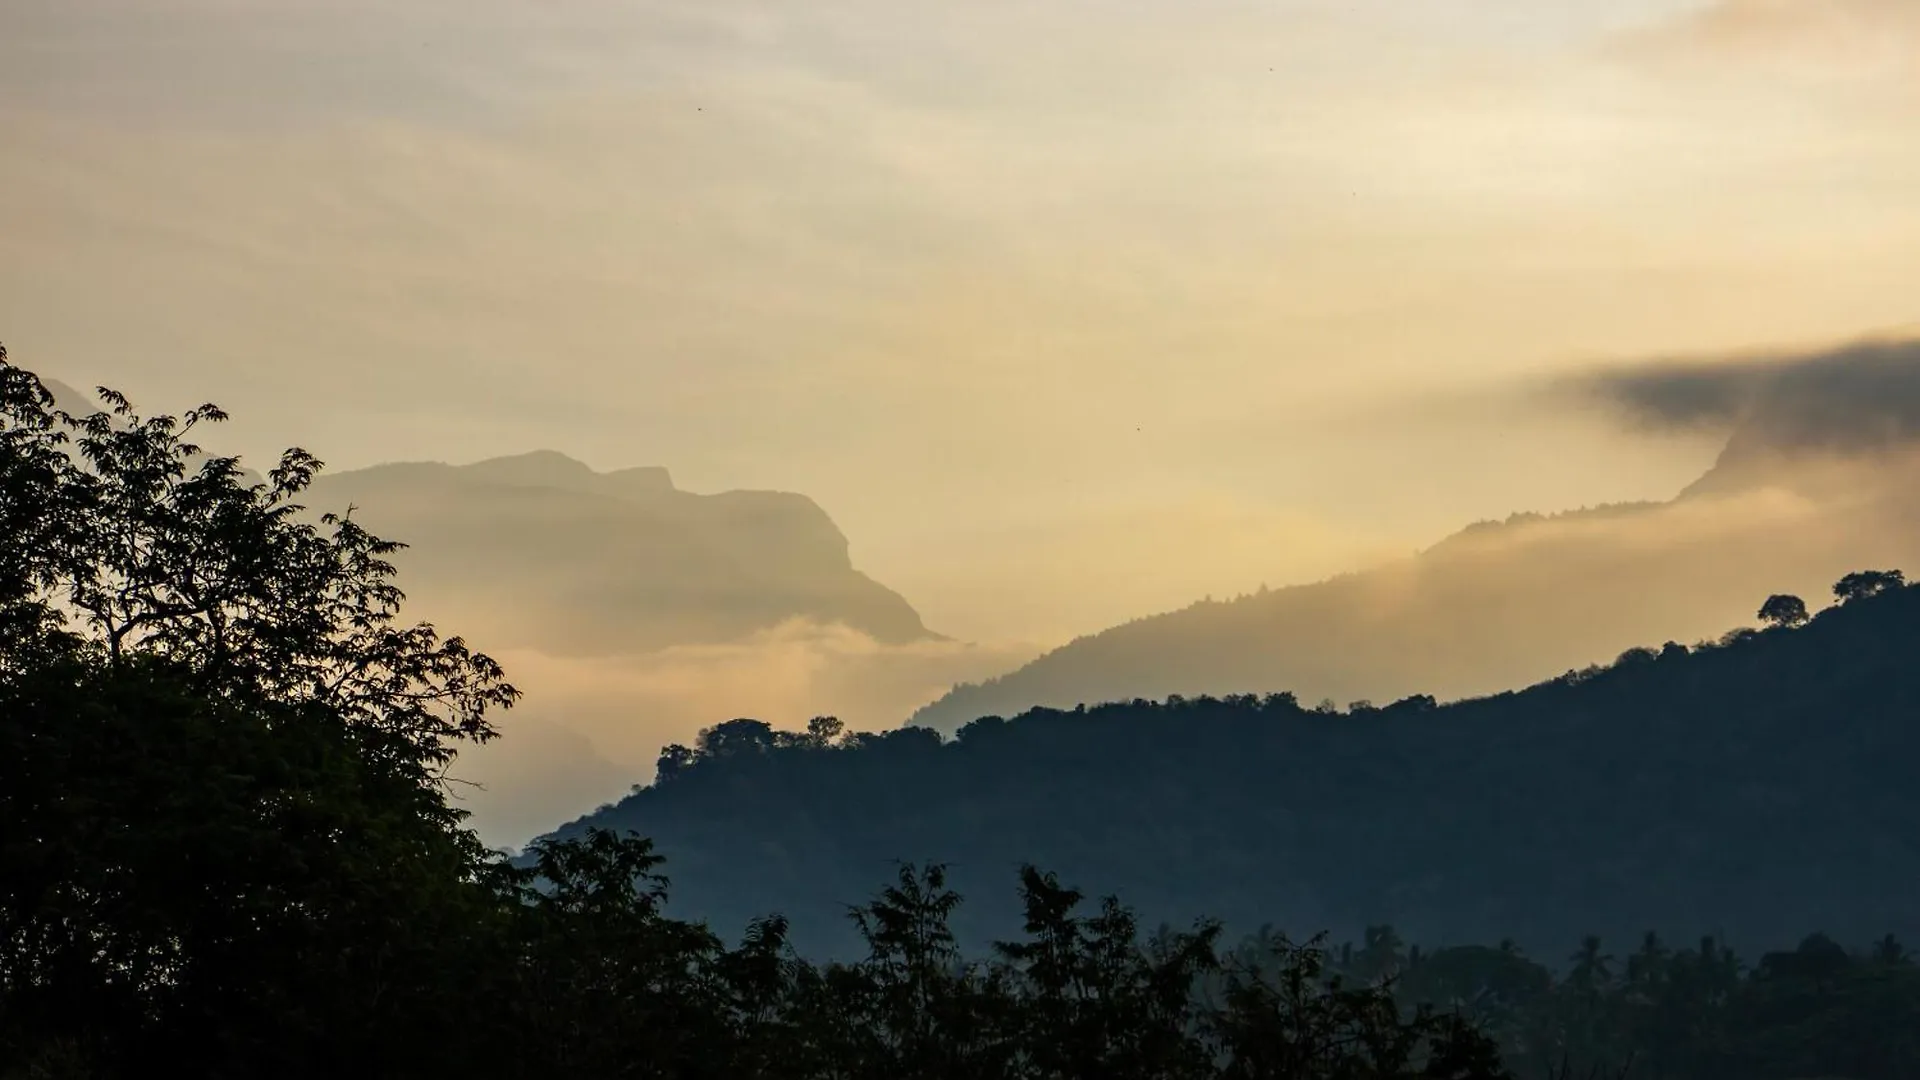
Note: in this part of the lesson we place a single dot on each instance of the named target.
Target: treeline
(1753, 788)
(228, 852)
(1656, 1011)
(714, 745)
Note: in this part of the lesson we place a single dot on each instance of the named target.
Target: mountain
(1818, 473)
(1751, 789)
(546, 553)
(625, 607)
(69, 398)
(1501, 603)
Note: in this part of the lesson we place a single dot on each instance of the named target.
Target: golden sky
(1066, 311)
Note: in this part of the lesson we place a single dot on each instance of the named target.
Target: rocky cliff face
(553, 555)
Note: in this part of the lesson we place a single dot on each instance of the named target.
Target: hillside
(1499, 603)
(1752, 789)
(546, 553)
(1817, 474)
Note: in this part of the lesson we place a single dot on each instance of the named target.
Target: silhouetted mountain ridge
(1818, 473)
(573, 560)
(1498, 601)
(538, 550)
(1752, 788)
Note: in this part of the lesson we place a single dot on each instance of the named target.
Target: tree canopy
(1785, 610)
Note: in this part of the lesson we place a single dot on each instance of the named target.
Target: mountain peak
(587, 560)
(536, 468)
(551, 468)
(1766, 453)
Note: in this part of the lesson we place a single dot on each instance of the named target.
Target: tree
(146, 546)
(1639, 654)
(1592, 969)
(822, 730)
(232, 884)
(1864, 583)
(1784, 611)
(674, 759)
(922, 1009)
(596, 977)
(1382, 955)
(222, 810)
(741, 736)
(1093, 1001)
(1288, 1018)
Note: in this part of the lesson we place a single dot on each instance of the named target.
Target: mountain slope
(1818, 473)
(547, 553)
(1753, 789)
(1498, 604)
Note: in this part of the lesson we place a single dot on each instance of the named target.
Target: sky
(1229, 286)
(1066, 312)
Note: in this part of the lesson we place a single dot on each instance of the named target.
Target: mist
(592, 728)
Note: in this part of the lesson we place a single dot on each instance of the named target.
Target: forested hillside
(228, 845)
(1818, 477)
(1754, 789)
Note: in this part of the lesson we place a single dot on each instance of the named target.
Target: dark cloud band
(1858, 396)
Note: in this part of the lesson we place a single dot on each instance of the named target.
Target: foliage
(139, 544)
(1864, 583)
(1784, 610)
(228, 853)
(221, 761)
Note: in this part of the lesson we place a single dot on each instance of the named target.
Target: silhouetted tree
(735, 737)
(1864, 583)
(674, 759)
(822, 730)
(222, 814)
(1783, 610)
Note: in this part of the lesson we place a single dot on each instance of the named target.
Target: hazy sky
(1066, 311)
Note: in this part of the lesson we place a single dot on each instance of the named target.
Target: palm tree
(1592, 969)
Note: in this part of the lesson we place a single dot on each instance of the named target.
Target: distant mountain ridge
(1819, 472)
(1500, 603)
(541, 551)
(594, 563)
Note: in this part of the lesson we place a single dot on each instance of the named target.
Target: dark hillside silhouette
(1750, 789)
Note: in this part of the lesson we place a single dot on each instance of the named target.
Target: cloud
(1859, 396)
(1050, 576)
(590, 727)
(539, 773)
(1796, 24)
(1832, 41)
